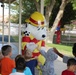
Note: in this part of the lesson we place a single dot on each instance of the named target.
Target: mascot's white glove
(31, 46)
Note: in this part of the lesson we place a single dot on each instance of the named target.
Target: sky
(6, 11)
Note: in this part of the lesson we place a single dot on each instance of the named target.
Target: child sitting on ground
(71, 67)
(7, 64)
(27, 70)
(20, 66)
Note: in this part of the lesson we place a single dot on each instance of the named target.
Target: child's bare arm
(57, 52)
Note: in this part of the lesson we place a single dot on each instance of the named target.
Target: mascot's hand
(31, 46)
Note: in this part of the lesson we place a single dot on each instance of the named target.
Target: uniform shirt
(7, 65)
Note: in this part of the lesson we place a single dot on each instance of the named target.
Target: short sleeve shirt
(7, 65)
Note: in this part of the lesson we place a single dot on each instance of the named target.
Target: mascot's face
(38, 32)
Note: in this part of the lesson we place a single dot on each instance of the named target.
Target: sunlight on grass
(67, 50)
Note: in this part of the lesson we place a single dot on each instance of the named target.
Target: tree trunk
(37, 5)
(57, 19)
(49, 9)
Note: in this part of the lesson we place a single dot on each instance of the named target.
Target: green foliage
(15, 7)
(69, 14)
(74, 4)
(67, 50)
(28, 7)
(54, 12)
(37, 0)
(14, 18)
(47, 2)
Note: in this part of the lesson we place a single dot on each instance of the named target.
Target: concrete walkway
(59, 66)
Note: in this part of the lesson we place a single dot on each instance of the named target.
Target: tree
(69, 14)
(28, 7)
(67, 17)
(58, 18)
(49, 6)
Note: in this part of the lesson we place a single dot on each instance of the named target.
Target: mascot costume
(34, 34)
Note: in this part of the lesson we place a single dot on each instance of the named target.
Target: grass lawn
(16, 38)
(67, 50)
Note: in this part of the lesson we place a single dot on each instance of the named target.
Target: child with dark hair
(18, 56)
(7, 64)
(20, 66)
(71, 67)
(74, 49)
(26, 71)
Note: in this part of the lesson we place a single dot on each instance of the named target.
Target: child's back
(7, 64)
(26, 71)
(20, 66)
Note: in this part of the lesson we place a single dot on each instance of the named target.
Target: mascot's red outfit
(41, 43)
(38, 20)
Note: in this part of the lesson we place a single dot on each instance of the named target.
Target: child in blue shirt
(27, 70)
(29, 61)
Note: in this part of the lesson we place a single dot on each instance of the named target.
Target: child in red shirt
(1, 56)
(71, 67)
(7, 64)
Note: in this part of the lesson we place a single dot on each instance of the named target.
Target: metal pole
(9, 25)
(42, 7)
(3, 25)
(20, 4)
